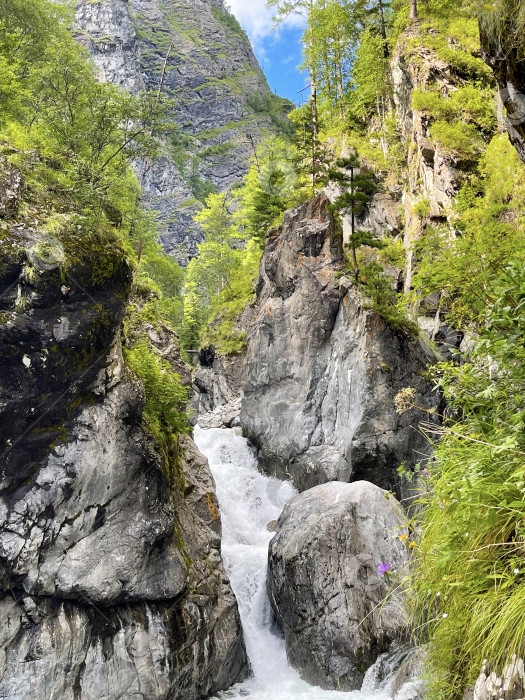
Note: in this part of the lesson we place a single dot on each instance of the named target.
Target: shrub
(457, 139)
(166, 398)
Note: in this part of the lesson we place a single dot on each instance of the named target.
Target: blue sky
(279, 51)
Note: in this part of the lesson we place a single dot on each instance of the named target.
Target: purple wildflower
(425, 473)
(383, 569)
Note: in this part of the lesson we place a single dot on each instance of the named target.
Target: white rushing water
(249, 501)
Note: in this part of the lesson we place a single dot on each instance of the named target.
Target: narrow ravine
(249, 501)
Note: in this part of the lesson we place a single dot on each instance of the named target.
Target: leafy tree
(306, 8)
(334, 30)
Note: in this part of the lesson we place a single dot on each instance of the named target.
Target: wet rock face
(336, 612)
(111, 579)
(10, 188)
(323, 370)
(208, 68)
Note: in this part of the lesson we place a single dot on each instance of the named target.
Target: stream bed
(249, 501)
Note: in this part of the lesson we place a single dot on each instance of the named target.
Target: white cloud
(256, 18)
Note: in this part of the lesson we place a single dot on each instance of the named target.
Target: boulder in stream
(337, 612)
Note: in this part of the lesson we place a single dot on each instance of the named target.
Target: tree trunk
(413, 10)
(383, 28)
(313, 85)
(354, 253)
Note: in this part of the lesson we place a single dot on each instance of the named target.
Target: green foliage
(502, 23)
(276, 107)
(166, 398)
(358, 186)
(469, 580)
(201, 189)
(372, 87)
(385, 301)
(228, 20)
(394, 253)
(457, 139)
(469, 103)
(219, 280)
(74, 139)
(422, 208)
(490, 235)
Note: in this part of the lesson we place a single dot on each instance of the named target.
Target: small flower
(438, 594)
(454, 500)
(425, 473)
(411, 544)
(516, 571)
(383, 569)
(445, 615)
(403, 538)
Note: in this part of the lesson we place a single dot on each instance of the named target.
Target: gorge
(261, 365)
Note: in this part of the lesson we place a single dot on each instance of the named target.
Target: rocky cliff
(323, 370)
(196, 53)
(111, 580)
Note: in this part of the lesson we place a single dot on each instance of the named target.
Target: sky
(278, 51)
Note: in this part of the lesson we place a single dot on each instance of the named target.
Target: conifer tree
(358, 187)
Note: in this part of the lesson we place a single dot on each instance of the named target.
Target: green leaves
(165, 396)
(472, 521)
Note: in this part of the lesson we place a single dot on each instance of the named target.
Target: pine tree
(358, 186)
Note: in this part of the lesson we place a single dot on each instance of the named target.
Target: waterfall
(249, 501)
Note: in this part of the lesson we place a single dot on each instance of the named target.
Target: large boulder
(323, 370)
(337, 611)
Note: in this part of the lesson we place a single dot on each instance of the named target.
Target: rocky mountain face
(197, 55)
(111, 579)
(323, 370)
(337, 612)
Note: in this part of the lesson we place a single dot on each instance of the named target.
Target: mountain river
(249, 501)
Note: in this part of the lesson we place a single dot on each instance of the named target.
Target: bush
(166, 398)
(469, 578)
(457, 139)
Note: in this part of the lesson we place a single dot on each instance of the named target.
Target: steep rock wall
(111, 580)
(323, 370)
(220, 97)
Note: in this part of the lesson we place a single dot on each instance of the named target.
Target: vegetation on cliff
(73, 139)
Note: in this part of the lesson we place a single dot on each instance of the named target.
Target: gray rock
(218, 92)
(11, 187)
(225, 416)
(323, 370)
(111, 579)
(506, 685)
(337, 614)
(220, 381)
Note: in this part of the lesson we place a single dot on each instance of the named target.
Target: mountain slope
(198, 55)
